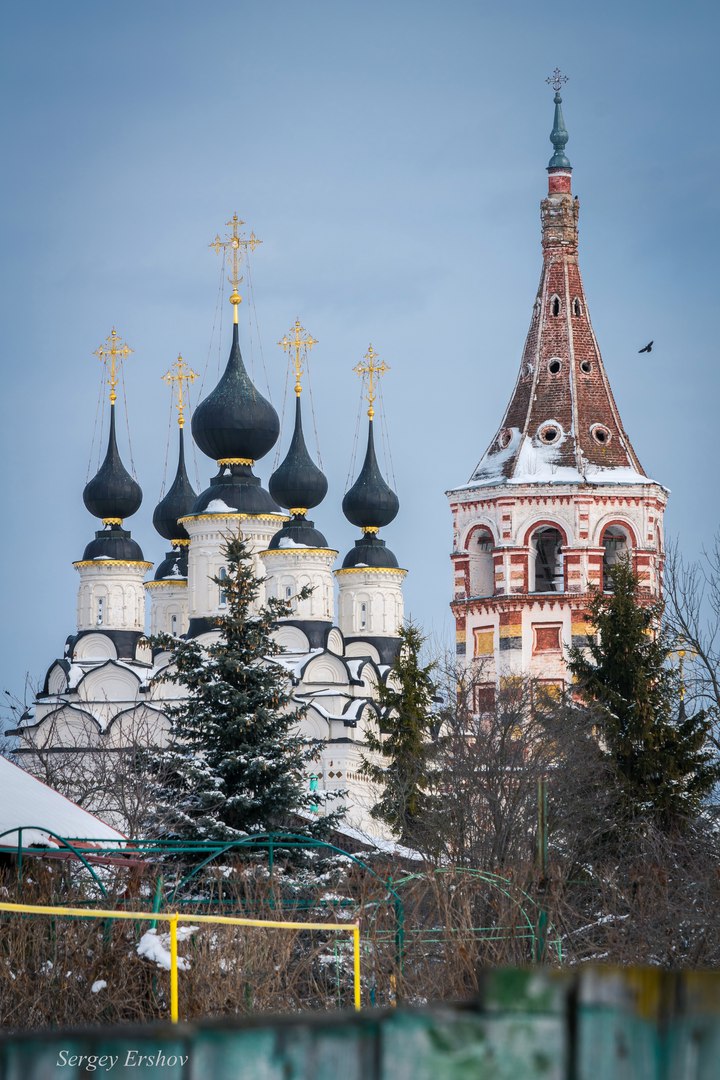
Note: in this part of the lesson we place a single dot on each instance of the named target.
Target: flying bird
(648, 347)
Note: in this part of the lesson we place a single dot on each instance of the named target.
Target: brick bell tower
(559, 494)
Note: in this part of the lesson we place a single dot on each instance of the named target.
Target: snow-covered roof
(28, 803)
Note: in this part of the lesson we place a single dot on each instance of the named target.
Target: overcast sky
(391, 156)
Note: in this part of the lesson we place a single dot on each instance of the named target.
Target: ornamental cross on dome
(180, 373)
(116, 351)
(371, 369)
(236, 244)
(299, 345)
(557, 80)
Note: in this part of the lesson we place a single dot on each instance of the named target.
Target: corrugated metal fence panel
(595, 1024)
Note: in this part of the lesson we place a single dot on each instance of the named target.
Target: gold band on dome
(370, 529)
(112, 521)
(298, 511)
(236, 461)
(107, 564)
(369, 570)
(183, 543)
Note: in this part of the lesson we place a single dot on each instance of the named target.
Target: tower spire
(558, 136)
(235, 244)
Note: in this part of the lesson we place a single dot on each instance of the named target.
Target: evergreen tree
(662, 757)
(235, 763)
(404, 743)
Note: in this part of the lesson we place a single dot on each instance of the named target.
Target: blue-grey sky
(392, 157)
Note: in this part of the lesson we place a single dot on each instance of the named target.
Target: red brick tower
(560, 492)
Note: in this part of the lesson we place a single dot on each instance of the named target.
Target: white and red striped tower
(560, 493)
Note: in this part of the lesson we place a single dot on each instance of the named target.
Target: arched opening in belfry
(555, 305)
(482, 568)
(547, 572)
(616, 547)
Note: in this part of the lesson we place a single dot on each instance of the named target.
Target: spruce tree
(403, 748)
(235, 763)
(662, 757)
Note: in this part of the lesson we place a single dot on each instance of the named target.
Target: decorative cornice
(182, 582)
(234, 514)
(300, 552)
(101, 564)
(370, 570)
(236, 461)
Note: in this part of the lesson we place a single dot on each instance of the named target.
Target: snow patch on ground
(156, 947)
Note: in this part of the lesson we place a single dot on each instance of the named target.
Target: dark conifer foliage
(404, 746)
(236, 763)
(663, 757)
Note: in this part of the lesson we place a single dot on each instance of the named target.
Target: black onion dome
(235, 420)
(112, 492)
(178, 502)
(370, 551)
(298, 532)
(370, 502)
(114, 543)
(174, 566)
(298, 481)
(235, 490)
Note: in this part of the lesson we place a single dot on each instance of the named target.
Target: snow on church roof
(28, 803)
(539, 464)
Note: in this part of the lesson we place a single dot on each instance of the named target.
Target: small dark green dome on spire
(178, 502)
(112, 493)
(370, 502)
(235, 420)
(297, 481)
(558, 136)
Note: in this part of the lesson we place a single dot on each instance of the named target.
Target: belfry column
(560, 493)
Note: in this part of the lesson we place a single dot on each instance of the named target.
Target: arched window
(616, 547)
(100, 615)
(482, 569)
(546, 561)
(222, 599)
(174, 625)
(555, 305)
(363, 615)
(577, 307)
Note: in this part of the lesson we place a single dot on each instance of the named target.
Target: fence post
(173, 969)
(356, 965)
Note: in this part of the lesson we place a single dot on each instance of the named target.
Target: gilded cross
(235, 244)
(300, 345)
(556, 80)
(116, 352)
(180, 373)
(371, 369)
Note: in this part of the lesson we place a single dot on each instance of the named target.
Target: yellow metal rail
(173, 918)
